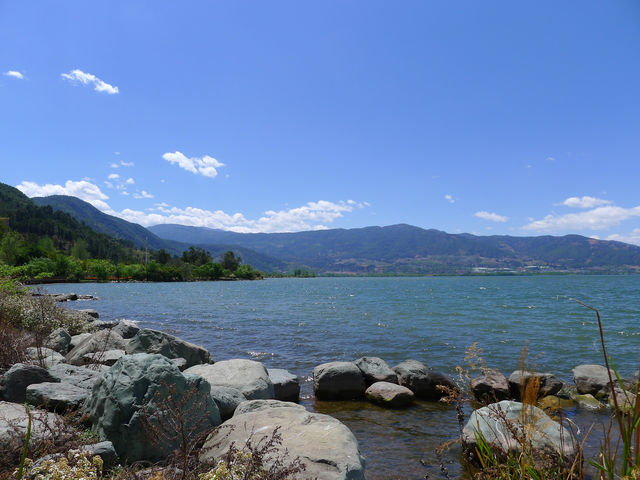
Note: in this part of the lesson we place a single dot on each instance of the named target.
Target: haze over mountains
(402, 249)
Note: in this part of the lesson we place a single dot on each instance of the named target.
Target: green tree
(162, 256)
(80, 250)
(196, 256)
(210, 271)
(230, 261)
(10, 247)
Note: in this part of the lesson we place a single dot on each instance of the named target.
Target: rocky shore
(139, 390)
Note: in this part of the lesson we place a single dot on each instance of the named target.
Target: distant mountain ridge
(408, 249)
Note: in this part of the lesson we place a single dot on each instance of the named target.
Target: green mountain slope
(408, 249)
(143, 238)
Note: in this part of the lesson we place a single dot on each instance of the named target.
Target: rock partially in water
(520, 380)
(154, 341)
(375, 370)
(423, 381)
(91, 312)
(497, 423)
(14, 382)
(286, 385)
(325, 446)
(144, 381)
(248, 376)
(389, 395)
(338, 381)
(593, 379)
(490, 387)
(587, 401)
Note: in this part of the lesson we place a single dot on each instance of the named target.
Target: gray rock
(91, 312)
(77, 339)
(13, 428)
(58, 396)
(338, 381)
(59, 340)
(127, 328)
(98, 342)
(490, 387)
(108, 357)
(520, 379)
(103, 325)
(592, 379)
(180, 362)
(389, 395)
(79, 376)
(498, 422)
(103, 449)
(286, 385)
(422, 381)
(44, 357)
(154, 341)
(227, 399)
(144, 381)
(248, 376)
(325, 446)
(375, 370)
(14, 383)
(259, 405)
(64, 297)
(626, 400)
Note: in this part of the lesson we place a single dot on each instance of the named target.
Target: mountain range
(395, 249)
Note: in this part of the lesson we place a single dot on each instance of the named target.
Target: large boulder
(154, 341)
(77, 340)
(98, 342)
(59, 340)
(13, 428)
(325, 446)
(375, 370)
(227, 399)
(422, 380)
(79, 376)
(108, 357)
(338, 381)
(490, 387)
(506, 425)
(259, 405)
(521, 380)
(389, 395)
(14, 382)
(593, 379)
(133, 400)
(286, 385)
(248, 376)
(56, 396)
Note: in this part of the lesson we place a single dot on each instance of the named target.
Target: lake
(299, 323)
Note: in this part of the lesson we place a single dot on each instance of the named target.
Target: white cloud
(492, 217)
(449, 198)
(114, 165)
(142, 194)
(633, 237)
(601, 218)
(113, 176)
(14, 74)
(83, 190)
(585, 202)
(130, 181)
(206, 165)
(78, 76)
(127, 164)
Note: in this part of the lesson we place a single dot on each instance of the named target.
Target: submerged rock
(490, 387)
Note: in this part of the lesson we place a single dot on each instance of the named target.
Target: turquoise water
(299, 323)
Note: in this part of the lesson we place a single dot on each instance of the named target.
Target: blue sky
(499, 117)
